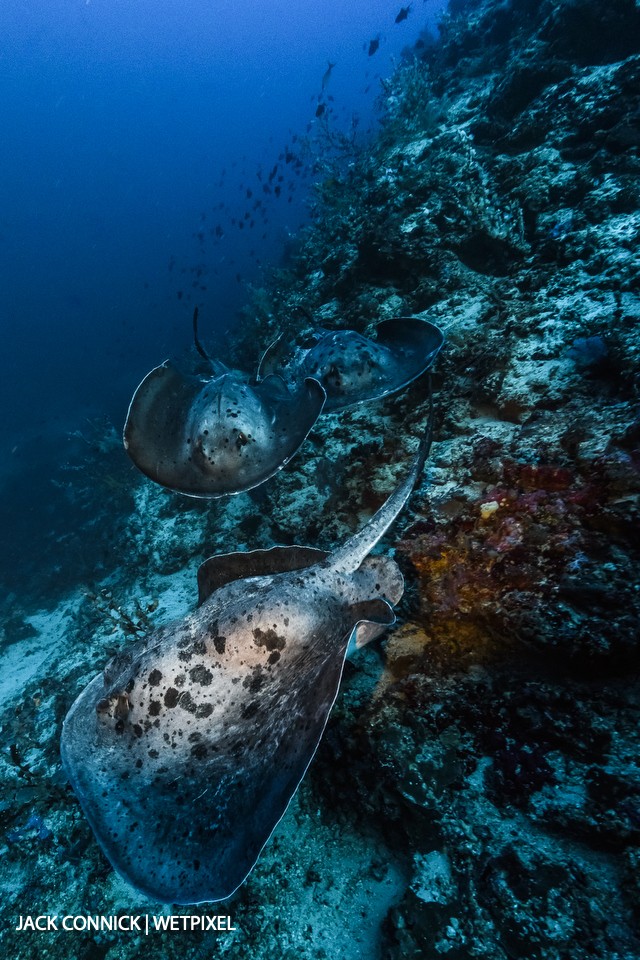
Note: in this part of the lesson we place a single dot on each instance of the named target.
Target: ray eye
(241, 439)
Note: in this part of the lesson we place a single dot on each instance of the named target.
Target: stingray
(213, 436)
(353, 368)
(186, 751)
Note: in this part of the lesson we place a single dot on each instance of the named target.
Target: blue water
(131, 133)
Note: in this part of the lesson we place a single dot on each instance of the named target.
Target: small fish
(327, 74)
(320, 109)
(373, 45)
(404, 13)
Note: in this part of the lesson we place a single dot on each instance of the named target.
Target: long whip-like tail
(350, 555)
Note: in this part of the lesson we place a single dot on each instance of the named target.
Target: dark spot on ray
(188, 703)
(220, 644)
(198, 647)
(255, 680)
(201, 675)
(269, 639)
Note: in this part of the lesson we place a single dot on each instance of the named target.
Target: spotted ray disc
(186, 750)
(218, 436)
(353, 368)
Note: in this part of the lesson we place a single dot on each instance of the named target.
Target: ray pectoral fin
(225, 568)
(374, 616)
(160, 400)
(373, 611)
(274, 387)
(294, 413)
(380, 575)
(268, 360)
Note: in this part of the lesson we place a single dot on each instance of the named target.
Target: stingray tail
(196, 339)
(350, 555)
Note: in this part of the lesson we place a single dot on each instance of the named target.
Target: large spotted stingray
(216, 435)
(353, 368)
(186, 750)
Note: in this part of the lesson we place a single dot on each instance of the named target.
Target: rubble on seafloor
(477, 791)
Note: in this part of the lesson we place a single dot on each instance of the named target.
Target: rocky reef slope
(477, 793)
(502, 202)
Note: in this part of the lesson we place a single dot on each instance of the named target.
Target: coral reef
(477, 791)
